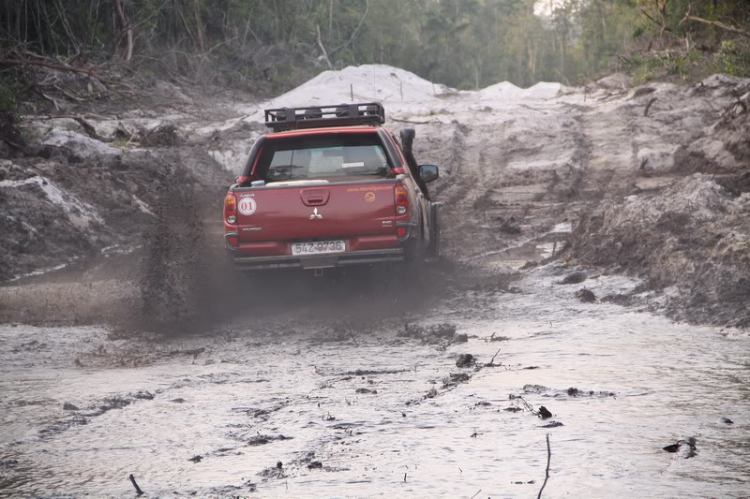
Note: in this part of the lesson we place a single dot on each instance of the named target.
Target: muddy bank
(689, 240)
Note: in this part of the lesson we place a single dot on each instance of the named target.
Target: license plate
(318, 247)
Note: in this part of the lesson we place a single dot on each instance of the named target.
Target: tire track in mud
(496, 196)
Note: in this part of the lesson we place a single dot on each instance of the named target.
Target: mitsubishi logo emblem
(316, 215)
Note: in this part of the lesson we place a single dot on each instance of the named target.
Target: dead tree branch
(137, 488)
(662, 26)
(57, 67)
(717, 24)
(546, 473)
(526, 405)
(107, 84)
(322, 48)
(492, 361)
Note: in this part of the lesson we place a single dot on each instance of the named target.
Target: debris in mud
(343, 331)
(617, 299)
(574, 278)
(466, 360)
(60, 426)
(497, 338)
(193, 352)
(454, 379)
(277, 472)
(726, 420)
(430, 394)
(366, 391)
(491, 363)
(138, 490)
(373, 372)
(688, 447)
(461, 338)
(67, 406)
(196, 459)
(535, 389)
(178, 400)
(570, 392)
(315, 465)
(552, 424)
(510, 227)
(544, 413)
(443, 333)
(265, 439)
(513, 409)
(586, 295)
(143, 395)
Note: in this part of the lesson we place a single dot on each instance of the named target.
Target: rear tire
(414, 258)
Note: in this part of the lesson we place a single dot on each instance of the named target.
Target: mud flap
(433, 252)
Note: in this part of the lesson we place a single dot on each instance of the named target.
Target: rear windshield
(343, 155)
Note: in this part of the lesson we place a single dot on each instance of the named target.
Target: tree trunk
(199, 25)
(125, 52)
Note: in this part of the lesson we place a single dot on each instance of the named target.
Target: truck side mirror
(428, 173)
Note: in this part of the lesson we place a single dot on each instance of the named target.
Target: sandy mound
(508, 91)
(382, 83)
(370, 82)
(502, 90)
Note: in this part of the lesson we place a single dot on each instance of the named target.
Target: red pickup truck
(329, 187)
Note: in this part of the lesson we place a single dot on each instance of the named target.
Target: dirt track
(307, 372)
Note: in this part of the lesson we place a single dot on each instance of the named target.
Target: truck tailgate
(289, 212)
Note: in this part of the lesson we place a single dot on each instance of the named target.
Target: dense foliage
(463, 43)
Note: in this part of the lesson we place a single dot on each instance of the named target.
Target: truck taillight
(402, 200)
(230, 209)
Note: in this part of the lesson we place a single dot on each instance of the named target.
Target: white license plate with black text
(318, 247)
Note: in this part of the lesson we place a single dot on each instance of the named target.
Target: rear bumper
(346, 259)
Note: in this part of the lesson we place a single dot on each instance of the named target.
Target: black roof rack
(292, 118)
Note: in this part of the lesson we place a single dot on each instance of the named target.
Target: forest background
(269, 46)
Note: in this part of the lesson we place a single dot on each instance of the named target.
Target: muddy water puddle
(369, 413)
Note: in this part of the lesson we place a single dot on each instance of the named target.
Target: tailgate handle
(315, 197)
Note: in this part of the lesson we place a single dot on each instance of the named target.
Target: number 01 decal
(247, 206)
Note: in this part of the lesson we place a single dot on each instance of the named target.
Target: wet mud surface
(335, 398)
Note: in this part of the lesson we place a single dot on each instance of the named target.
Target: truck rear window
(344, 155)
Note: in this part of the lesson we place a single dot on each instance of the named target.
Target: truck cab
(330, 187)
